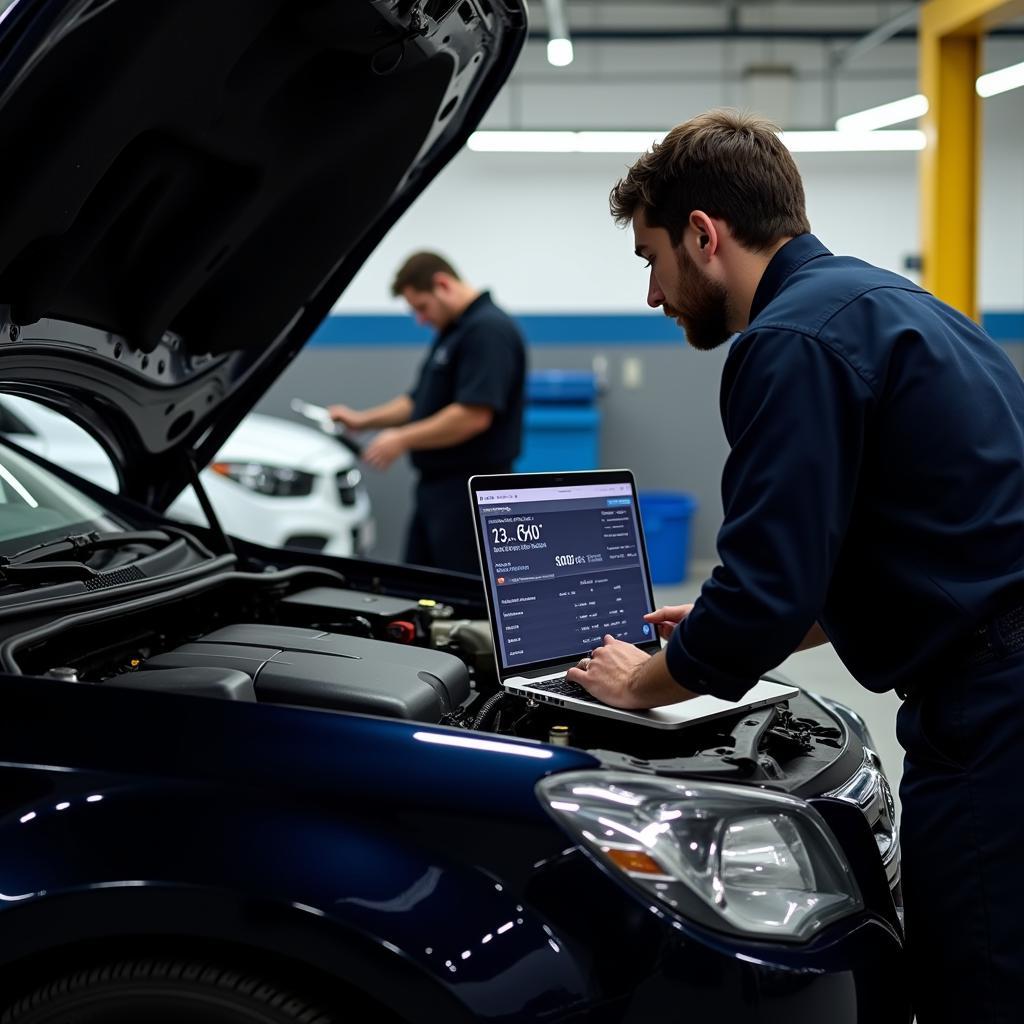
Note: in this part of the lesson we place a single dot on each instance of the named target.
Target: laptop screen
(563, 562)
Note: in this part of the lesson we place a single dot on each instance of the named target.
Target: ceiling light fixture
(999, 81)
(990, 84)
(884, 115)
(559, 44)
(638, 142)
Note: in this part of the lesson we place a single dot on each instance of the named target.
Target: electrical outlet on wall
(632, 372)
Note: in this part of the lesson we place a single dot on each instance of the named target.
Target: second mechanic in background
(463, 416)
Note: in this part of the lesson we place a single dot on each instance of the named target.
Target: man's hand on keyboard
(623, 676)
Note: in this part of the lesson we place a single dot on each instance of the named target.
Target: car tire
(162, 992)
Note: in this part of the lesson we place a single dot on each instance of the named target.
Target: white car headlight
(277, 481)
(745, 860)
(348, 484)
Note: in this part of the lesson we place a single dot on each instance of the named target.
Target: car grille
(869, 790)
(307, 542)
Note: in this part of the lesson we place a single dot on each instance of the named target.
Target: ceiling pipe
(906, 19)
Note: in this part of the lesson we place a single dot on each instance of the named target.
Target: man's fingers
(674, 614)
(576, 675)
(663, 614)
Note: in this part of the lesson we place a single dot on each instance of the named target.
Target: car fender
(385, 908)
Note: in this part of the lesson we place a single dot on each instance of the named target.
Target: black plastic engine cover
(327, 670)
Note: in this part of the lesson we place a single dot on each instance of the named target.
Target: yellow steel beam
(949, 168)
(953, 17)
(950, 38)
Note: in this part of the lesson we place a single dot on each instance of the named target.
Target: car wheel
(162, 992)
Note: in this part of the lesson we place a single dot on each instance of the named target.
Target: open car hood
(189, 185)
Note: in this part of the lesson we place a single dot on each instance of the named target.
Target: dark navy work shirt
(480, 359)
(875, 481)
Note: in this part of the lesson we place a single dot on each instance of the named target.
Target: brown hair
(418, 271)
(730, 165)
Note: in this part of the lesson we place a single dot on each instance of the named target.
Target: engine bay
(304, 637)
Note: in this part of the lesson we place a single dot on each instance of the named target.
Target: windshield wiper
(76, 545)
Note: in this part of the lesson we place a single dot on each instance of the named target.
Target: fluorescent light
(853, 142)
(884, 115)
(616, 142)
(559, 43)
(911, 107)
(563, 142)
(560, 52)
(1002, 80)
(523, 142)
(638, 142)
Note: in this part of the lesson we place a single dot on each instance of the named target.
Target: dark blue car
(252, 786)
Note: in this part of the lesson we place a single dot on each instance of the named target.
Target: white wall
(536, 228)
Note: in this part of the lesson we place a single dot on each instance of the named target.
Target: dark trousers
(441, 532)
(963, 844)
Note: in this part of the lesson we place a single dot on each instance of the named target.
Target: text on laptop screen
(565, 567)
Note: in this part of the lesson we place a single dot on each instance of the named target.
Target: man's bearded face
(698, 304)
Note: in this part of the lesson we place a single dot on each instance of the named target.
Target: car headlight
(348, 481)
(749, 861)
(278, 481)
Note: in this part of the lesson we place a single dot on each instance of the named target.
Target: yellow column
(950, 39)
(950, 168)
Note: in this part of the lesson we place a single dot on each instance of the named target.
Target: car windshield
(36, 506)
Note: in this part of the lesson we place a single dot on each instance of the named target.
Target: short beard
(706, 320)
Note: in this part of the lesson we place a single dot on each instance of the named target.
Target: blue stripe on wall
(1004, 326)
(563, 329)
(539, 328)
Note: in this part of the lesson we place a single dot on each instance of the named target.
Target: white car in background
(273, 482)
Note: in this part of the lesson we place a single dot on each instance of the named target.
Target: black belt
(998, 638)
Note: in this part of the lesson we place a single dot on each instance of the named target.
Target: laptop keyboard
(562, 688)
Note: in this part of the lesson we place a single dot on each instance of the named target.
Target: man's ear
(706, 232)
(441, 282)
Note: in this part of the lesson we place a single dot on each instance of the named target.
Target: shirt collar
(790, 258)
(483, 299)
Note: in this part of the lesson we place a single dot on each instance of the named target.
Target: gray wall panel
(666, 429)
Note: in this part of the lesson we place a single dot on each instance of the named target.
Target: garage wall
(535, 229)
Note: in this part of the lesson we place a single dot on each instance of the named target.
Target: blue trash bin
(666, 516)
(559, 438)
(561, 422)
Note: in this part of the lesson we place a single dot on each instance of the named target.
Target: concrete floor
(820, 671)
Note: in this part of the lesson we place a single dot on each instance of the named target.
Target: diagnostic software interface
(565, 567)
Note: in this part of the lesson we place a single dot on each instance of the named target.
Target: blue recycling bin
(561, 422)
(666, 516)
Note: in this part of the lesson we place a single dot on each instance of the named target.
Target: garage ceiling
(842, 20)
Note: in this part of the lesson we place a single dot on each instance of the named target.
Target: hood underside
(190, 184)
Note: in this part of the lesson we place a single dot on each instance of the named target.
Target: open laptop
(564, 563)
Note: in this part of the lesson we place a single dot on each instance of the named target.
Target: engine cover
(310, 668)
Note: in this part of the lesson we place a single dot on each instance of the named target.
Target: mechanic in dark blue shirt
(463, 416)
(874, 498)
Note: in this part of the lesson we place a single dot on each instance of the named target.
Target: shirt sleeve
(796, 415)
(487, 366)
